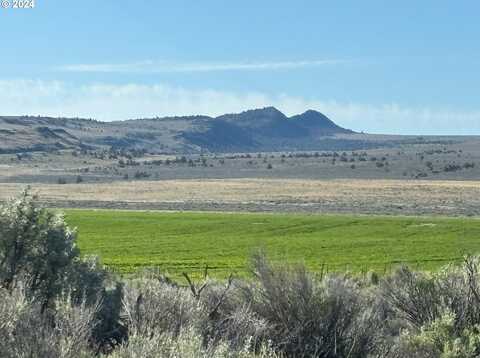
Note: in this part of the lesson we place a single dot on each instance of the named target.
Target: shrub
(55, 304)
(419, 299)
(165, 320)
(326, 318)
(186, 345)
(439, 339)
(26, 331)
(230, 317)
(140, 175)
(151, 307)
(35, 244)
(38, 253)
(412, 297)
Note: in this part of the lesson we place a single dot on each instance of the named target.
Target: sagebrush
(55, 303)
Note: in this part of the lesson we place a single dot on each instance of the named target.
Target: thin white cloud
(167, 67)
(114, 102)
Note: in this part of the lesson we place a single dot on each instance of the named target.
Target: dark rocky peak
(318, 122)
(255, 117)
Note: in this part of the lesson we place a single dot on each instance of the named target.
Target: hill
(265, 129)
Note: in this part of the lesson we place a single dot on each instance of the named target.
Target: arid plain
(412, 197)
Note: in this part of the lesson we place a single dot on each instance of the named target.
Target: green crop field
(177, 242)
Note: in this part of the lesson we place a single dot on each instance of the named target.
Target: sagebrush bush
(54, 303)
(36, 244)
(28, 331)
(188, 344)
(439, 339)
(38, 253)
(230, 316)
(154, 307)
(327, 318)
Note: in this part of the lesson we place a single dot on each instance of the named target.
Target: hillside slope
(265, 129)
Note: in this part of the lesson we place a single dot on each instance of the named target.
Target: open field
(447, 198)
(178, 242)
(406, 176)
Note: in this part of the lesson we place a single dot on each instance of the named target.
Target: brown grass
(435, 197)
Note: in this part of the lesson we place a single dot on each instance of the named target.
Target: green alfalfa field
(176, 242)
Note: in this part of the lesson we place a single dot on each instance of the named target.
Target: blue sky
(384, 67)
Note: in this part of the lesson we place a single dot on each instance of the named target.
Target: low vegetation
(383, 157)
(131, 240)
(53, 303)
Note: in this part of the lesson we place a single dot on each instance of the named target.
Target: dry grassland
(287, 195)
